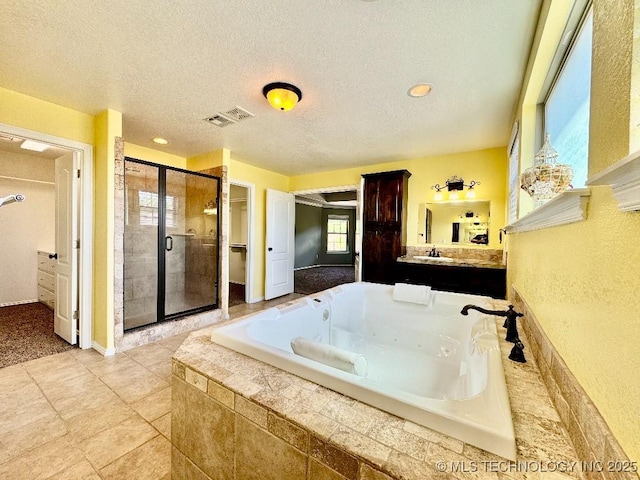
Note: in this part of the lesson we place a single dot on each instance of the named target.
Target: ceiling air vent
(237, 114)
(222, 119)
(219, 120)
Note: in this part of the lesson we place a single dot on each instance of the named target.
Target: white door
(279, 255)
(65, 324)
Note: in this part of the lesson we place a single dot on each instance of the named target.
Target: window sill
(624, 178)
(568, 207)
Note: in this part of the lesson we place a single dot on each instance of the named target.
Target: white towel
(404, 292)
(351, 362)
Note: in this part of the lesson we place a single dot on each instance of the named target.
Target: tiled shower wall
(201, 266)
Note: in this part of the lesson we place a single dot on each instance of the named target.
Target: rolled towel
(404, 292)
(351, 362)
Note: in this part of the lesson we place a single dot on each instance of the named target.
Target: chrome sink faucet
(433, 252)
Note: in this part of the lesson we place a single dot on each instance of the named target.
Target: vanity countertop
(451, 262)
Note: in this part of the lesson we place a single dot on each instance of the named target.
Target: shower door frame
(161, 317)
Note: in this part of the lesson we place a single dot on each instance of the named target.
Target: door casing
(249, 290)
(84, 154)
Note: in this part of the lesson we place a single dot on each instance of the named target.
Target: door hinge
(76, 244)
(78, 173)
(75, 314)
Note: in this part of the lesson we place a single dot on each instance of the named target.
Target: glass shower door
(190, 243)
(170, 243)
(140, 244)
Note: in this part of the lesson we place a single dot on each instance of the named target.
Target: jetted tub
(425, 363)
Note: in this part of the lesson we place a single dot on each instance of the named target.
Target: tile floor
(79, 415)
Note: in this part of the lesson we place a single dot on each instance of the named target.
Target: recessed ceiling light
(34, 146)
(419, 90)
(160, 141)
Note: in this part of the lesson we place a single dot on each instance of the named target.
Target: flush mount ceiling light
(34, 146)
(160, 141)
(282, 96)
(420, 90)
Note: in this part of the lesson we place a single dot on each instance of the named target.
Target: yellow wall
(489, 167)
(262, 179)
(580, 279)
(634, 121)
(155, 156)
(39, 116)
(205, 161)
(108, 127)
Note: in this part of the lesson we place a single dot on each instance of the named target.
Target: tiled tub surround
(235, 417)
(590, 434)
(459, 388)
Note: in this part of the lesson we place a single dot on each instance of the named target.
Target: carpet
(26, 333)
(316, 279)
(236, 294)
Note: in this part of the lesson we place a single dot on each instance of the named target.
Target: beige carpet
(26, 332)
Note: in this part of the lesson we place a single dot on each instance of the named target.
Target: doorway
(239, 244)
(65, 289)
(171, 238)
(327, 239)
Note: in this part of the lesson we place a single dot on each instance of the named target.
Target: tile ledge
(624, 179)
(568, 207)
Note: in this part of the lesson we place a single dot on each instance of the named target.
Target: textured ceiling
(168, 65)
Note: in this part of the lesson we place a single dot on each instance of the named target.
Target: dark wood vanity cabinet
(487, 281)
(384, 231)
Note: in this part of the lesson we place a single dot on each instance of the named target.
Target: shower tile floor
(79, 415)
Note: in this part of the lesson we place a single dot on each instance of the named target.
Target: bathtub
(425, 363)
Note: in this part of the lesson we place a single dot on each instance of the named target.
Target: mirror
(454, 222)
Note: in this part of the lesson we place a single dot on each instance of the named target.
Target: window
(337, 231)
(566, 108)
(148, 202)
(514, 174)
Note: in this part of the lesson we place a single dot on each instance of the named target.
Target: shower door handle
(168, 243)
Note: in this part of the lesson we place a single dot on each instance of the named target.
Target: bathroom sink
(437, 259)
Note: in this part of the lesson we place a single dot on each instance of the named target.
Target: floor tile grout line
(99, 470)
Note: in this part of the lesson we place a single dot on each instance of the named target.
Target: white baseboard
(19, 302)
(107, 352)
(256, 299)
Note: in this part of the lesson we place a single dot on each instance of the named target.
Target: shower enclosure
(171, 226)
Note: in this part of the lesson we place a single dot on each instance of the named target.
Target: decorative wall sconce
(211, 208)
(453, 185)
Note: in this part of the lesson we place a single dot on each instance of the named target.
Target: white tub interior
(426, 363)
